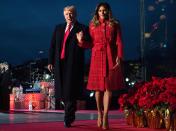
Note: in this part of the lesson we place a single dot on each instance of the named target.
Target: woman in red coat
(105, 73)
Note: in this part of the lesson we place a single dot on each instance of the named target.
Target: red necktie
(64, 41)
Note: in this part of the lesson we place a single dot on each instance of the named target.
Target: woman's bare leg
(106, 102)
(99, 102)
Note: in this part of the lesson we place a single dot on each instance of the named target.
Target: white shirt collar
(70, 28)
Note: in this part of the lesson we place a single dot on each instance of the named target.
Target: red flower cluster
(158, 93)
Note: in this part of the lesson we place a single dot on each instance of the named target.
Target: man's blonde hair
(71, 8)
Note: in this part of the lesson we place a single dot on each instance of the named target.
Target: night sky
(26, 26)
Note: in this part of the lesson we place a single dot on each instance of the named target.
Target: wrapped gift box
(22, 101)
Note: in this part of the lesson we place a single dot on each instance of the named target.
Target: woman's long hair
(95, 19)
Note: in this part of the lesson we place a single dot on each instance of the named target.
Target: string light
(159, 27)
(151, 8)
(162, 17)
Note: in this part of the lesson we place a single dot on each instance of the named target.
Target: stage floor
(24, 116)
(52, 120)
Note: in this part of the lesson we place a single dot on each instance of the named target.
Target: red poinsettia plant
(129, 101)
(159, 93)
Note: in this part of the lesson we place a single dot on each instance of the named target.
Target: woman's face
(102, 12)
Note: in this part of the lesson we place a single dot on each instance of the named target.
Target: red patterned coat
(106, 46)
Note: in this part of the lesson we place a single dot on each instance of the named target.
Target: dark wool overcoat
(70, 85)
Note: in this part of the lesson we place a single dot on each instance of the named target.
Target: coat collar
(73, 29)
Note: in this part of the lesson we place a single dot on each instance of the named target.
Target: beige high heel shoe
(105, 125)
(99, 120)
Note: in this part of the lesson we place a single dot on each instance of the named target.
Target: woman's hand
(117, 62)
(79, 37)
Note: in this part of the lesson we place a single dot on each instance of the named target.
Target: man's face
(69, 16)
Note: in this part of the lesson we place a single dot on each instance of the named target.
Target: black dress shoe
(67, 124)
(72, 119)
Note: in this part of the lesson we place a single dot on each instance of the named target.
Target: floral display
(154, 101)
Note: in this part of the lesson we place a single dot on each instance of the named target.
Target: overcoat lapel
(73, 31)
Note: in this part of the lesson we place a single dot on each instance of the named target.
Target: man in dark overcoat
(66, 59)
